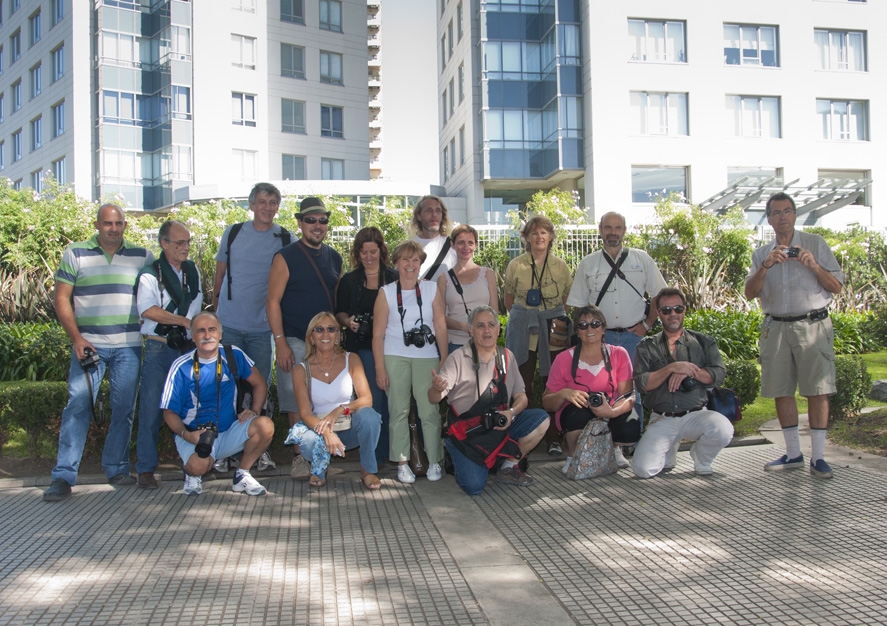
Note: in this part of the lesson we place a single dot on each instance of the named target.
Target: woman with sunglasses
(335, 404)
(466, 286)
(409, 343)
(593, 380)
(355, 300)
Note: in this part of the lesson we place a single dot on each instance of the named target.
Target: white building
(622, 100)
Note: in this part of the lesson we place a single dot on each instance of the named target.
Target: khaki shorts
(797, 356)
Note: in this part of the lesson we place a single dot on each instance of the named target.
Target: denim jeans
(158, 359)
(380, 404)
(258, 347)
(364, 432)
(122, 365)
(471, 476)
(629, 341)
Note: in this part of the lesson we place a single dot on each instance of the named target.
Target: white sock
(792, 443)
(240, 472)
(817, 438)
(508, 463)
(566, 465)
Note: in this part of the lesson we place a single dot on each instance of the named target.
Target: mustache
(208, 340)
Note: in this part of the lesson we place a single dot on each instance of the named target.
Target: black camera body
(493, 419)
(175, 335)
(793, 252)
(207, 438)
(90, 359)
(364, 326)
(418, 336)
(595, 398)
(689, 384)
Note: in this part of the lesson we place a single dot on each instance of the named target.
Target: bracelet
(513, 414)
(347, 409)
(276, 337)
(645, 324)
(766, 267)
(182, 434)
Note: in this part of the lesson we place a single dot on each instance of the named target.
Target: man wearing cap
(431, 223)
(301, 284)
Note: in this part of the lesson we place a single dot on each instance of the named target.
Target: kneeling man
(672, 369)
(487, 421)
(200, 406)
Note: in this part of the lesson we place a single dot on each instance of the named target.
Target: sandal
(370, 481)
(316, 481)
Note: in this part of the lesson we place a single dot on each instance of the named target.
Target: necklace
(376, 273)
(326, 372)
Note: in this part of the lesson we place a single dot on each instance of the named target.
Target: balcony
(374, 60)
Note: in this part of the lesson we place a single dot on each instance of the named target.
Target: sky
(409, 90)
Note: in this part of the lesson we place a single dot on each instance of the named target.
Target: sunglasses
(330, 329)
(666, 310)
(314, 220)
(592, 323)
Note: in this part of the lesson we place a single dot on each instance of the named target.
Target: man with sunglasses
(301, 284)
(795, 276)
(672, 369)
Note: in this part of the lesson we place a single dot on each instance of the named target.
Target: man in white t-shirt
(432, 226)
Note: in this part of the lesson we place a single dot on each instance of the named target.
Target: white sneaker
(221, 466)
(265, 462)
(701, 470)
(566, 467)
(621, 461)
(405, 474)
(434, 474)
(193, 485)
(301, 467)
(245, 483)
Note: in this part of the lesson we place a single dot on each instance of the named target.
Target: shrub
(744, 377)
(854, 383)
(850, 335)
(34, 352)
(35, 407)
(736, 332)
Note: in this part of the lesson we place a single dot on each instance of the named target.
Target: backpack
(244, 389)
(594, 454)
(286, 238)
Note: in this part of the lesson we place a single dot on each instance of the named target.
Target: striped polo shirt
(104, 284)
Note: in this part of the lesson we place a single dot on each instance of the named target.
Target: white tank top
(327, 396)
(394, 344)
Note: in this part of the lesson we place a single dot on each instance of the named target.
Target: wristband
(766, 267)
(347, 410)
(645, 324)
(276, 337)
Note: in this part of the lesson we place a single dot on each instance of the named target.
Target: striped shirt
(104, 300)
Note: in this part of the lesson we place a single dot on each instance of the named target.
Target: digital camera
(364, 326)
(793, 252)
(418, 336)
(175, 335)
(689, 384)
(207, 438)
(90, 359)
(493, 419)
(595, 398)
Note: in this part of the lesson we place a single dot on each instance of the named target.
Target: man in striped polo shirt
(95, 304)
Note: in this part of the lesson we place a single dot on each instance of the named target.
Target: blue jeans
(471, 476)
(258, 347)
(364, 432)
(122, 365)
(629, 341)
(158, 359)
(380, 404)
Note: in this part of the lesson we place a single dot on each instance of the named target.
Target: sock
(817, 437)
(792, 443)
(240, 472)
(508, 463)
(567, 464)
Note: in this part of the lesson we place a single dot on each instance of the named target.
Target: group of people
(407, 329)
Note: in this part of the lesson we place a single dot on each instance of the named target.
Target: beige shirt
(458, 371)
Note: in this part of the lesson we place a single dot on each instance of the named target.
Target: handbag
(559, 334)
(418, 459)
(724, 401)
(594, 455)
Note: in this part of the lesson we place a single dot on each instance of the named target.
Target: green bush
(39, 351)
(736, 332)
(851, 336)
(854, 383)
(35, 407)
(744, 377)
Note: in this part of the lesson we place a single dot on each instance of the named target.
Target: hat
(311, 204)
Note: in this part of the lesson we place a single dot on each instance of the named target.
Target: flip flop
(371, 481)
(316, 481)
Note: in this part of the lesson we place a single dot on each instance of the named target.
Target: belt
(813, 316)
(682, 413)
(156, 338)
(623, 330)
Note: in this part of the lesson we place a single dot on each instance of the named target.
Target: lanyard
(538, 279)
(459, 290)
(607, 366)
(218, 384)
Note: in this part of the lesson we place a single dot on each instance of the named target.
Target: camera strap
(218, 384)
(621, 275)
(574, 369)
(401, 310)
(459, 289)
(537, 280)
(96, 405)
(614, 269)
(496, 387)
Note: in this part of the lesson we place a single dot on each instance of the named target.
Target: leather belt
(623, 330)
(682, 413)
(813, 316)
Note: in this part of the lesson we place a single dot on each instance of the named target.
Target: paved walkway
(740, 547)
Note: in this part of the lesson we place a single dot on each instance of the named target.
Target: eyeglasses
(330, 329)
(314, 220)
(592, 323)
(778, 214)
(183, 243)
(667, 310)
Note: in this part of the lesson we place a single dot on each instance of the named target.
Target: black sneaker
(58, 490)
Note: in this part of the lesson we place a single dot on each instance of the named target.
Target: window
(2, 150)
(17, 185)
(840, 50)
(2, 108)
(459, 17)
(58, 119)
(453, 155)
(245, 162)
(36, 80)
(180, 168)
(181, 102)
(121, 165)
(647, 183)
(34, 28)
(59, 171)
(244, 51)
(122, 49)
(331, 123)
(331, 15)
(850, 178)
(16, 96)
(452, 97)
(58, 11)
(37, 181)
(36, 133)
(17, 145)
(753, 175)
(843, 120)
(443, 53)
(443, 107)
(120, 107)
(655, 113)
(332, 169)
(657, 41)
(461, 142)
(292, 11)
(461, 81)
(753, 116)
(292, 61)
(292, 116)
(330, 68)
(748, 44)
(180, 41)
(247, 6)
(243, 109)
(445, 161)
(1, 57)
(58, 63)
(293, 167)
(15, 45)
(450, 40)
(14, 5)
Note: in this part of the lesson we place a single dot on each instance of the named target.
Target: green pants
(405, 374)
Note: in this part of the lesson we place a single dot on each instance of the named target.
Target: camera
(595, 398)
(689, 384)
(90, 358)
(418, 336)
(793, 252)
(493, 419)
(364, 326)
(175, 335)
(207, 438)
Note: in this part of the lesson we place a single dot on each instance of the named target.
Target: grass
(866, 432)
